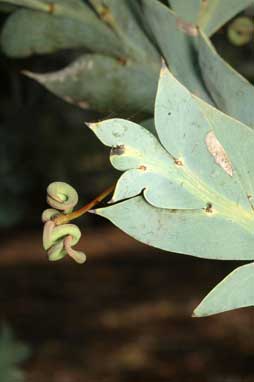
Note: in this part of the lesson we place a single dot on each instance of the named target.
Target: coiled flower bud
(58, 240)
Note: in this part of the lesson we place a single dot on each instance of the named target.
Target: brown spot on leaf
(209, 208)
(51, 7)
(142, 167)
(178, 162)
(68, 99)
(106, 15)
(218, 152)
(186, 27)
(83, 104)
(117, 150)
(71, 72)
(122, 61)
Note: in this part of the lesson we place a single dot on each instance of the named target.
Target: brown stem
(65, 218)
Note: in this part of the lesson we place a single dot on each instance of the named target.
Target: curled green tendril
(48, 214)
(62, 196)
(58, 240)
(240, 31)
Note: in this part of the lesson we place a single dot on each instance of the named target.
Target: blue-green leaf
(191, 232)
(231, 92)
(200, 182)
(32, 4)
(176, 41)
(150, 167)
(104, 84)
(71, 24)
(188, 10)
(235, 291)
(238, 141)
(215, 13)
(209, 15)
(121, 18)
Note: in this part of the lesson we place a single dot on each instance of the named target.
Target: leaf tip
(27, 73)
(92, 125)
(194, 314)
(33, 76)
(84, 105)
(203, 311)
(93, 211)
(164, 68)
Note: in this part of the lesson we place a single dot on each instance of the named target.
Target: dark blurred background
(125, 315)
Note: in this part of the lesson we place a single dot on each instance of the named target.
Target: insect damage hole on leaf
(217, 151)
(117, 150)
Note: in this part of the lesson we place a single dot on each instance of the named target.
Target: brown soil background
(124, 316)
